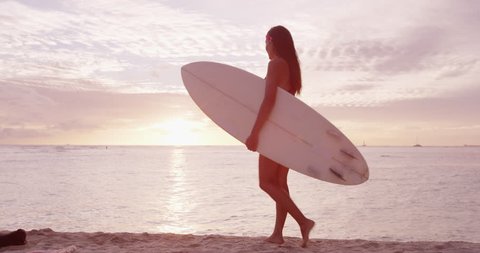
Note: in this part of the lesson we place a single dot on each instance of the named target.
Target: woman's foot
(277, 239)
(305, 228)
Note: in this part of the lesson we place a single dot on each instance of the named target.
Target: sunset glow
(179, 132)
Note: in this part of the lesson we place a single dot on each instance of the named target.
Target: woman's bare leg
(281, 213)
(268, 174)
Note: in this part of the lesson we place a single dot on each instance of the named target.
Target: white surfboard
(295, 135)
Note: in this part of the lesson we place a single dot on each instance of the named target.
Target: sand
(47, 240)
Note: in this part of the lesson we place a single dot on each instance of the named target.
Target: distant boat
(417, 145)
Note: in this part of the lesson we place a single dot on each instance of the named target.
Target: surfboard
(295, 135)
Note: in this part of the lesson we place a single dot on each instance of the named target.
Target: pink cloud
(34, 111)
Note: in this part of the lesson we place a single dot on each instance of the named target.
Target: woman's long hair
(284, 47)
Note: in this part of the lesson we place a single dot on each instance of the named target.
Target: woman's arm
(271, 83)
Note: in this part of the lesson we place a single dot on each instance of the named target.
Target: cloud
(37, 112)
(358, 87)
(450, 119)
(139, 46)
(413, 50)
(416, 48)
(458, 69)
(457, 108)
(114, 44)
(21, 133)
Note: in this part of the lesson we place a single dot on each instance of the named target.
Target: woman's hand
(252, 142)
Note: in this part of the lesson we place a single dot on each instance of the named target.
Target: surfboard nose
(188, 68)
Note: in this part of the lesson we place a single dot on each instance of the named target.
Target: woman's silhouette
(284, 72)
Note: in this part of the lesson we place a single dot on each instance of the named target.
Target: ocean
(413, 194)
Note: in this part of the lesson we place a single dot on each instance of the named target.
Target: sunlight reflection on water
(178, 201)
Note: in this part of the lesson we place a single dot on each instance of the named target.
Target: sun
(179, 132)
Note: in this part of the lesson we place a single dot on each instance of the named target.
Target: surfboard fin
(338, 174)
(347, 154)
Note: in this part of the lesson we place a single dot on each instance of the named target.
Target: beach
(47, 240)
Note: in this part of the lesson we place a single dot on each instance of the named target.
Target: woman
(284, 72)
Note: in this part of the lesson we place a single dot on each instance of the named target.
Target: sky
(107, 72)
